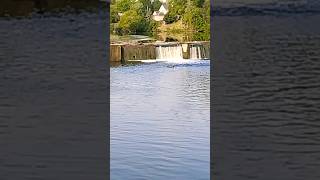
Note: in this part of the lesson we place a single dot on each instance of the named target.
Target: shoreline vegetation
(185, 20)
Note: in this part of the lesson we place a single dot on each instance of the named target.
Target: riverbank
(174, 32)
(130, 39)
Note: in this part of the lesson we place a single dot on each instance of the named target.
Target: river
(160, 117)
(265, 122)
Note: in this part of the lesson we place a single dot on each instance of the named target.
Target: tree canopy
(135, 16)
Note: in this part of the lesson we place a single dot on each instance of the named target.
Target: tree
(198, 3)
(155, 6)
(114, 17)
(194, 18)
(170, 17)
(124, 5)
(132, 23)
(138, 7)
(177, 7)
(152, 27)
(146, 7)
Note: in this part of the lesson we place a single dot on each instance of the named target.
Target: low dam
(159, 51)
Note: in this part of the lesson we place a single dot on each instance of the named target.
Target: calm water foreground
(266, 97)
(53, 95)
(160, 122)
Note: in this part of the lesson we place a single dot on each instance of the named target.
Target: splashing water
(169, 53)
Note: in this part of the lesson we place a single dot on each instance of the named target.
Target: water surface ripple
(160, 121)
(53, 97)
(267, 97)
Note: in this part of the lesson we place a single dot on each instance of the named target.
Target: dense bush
(153, 27)
(170, 18)
(132, 23)
(177, 7)
(123, 5)
(114, 17)
(136, 15)
(197, 16)
(155, 6)
(198, 3)
(194, 18)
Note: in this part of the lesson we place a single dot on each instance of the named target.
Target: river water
(266, 106)
(160, 121)
(53, 96)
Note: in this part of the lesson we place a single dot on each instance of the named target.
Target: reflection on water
(160, 121)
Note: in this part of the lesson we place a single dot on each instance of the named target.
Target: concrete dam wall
(152, 51)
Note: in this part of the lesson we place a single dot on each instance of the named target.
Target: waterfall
(170, 53)
(196, 53)
(179, 52)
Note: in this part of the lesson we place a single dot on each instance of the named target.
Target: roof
(164, 8)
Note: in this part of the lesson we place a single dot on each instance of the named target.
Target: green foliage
(176, 10)
(153, 27)
(146, 7)
(132, 23)
(198, 3)
(155, 6)
(178, 6)
(170, 18)
(194, 18)
(138, 7)
(136, 16)
(123, 5)
(114, 17)
(200, 36)
(114, 28)
(197, 16)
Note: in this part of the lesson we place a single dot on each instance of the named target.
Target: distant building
(163, 10)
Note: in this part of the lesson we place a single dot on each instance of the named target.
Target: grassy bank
(130, 39)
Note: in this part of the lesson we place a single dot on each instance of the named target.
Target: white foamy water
(174, 53)
(195, 52)
(169, 53)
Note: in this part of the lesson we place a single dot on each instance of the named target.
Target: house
(163, 10)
